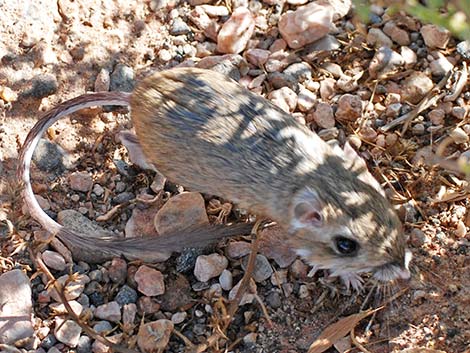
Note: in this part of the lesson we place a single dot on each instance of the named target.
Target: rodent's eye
(346, 246)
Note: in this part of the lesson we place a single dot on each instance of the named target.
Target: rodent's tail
(100, 247)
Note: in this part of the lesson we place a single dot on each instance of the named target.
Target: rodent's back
(206, 132)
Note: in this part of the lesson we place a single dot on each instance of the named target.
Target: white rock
(54, 260)
(236, 32)
(109, 311)
(305, 25)
(209, 266)
(67, 332)
(441, 66)
(285, 98)
(226, 280)
(179, 317)
(306, 99)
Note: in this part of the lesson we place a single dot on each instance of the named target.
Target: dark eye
(346, 246)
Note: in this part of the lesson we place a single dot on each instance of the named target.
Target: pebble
(458, 135)
(272, 245)
(409, 57)
(279, 60)
(78, 223)
(257, 57)
(178, 294)
(126, 295)
(129, 312)
(180, 211)
(378, 38)
(327, 88)
(215, 11)
(349, 107)
(305, 25)
(393, 110)
(16, 307)
(84, 344)
(285, 98)
(274, 300)
(279, 277)
(102, 326)
(179, 27)
(98, 190)
(8, 95)
(277, 45)
(441, 66)
(238, 249)
(226, 280)
(123, 197)
(418, 238)
(262, 270)
(384, 62)
(459, 112)
(147, 305)
(154, 336)
(149, 281)
(463, 48)
(122, 79)
(398, 35)
(248, 297)
(73, 287)
(50, 157)
(43, 85)
(110, 311)
(235, 33)
(279, 80)
(54, 260)
(460, 229)
(67, 332)
(435, 36)
(117, 271)
(179, 317)
(187, 259)
(102, 81)
(415, 87)
(437, 116)
(301, 72)
(81, 181)
(209, 266)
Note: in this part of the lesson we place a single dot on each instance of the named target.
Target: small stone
(179, 27)
(165, 55)
(418, 238)
(367, 133)
(126, 295)
(378, 39)
(279, 80)
(235, 33)
(279, 277)
(349, 107)
(397, 34)
(285, 98)
(323, 115)
(226, 280)
(333, 69)
(50, 157)
(458, 135)
(84, 344)
(385, 62)
(215, 11)
(262, 270)
(273, 246)
(110, 311)
(149, 281)
(300, 71)
(250, 339)
(16, 307)
(80, 181)
(248, 297)
(177, 295)
(179, 317)
(434, 36)
(415, 87)
(43, 86)
(53, 260)
(327, 88)
(459, 112)
(441, 66)
(73, 288)
(67, 332)
(393, 110)
(102, 326)
(102, 81)
(278, 44)
(154, 336)
(274, 300)
(129, 312)
(460, 229)
(183, 210)
(436, 116)
(7, 94)
(343, 345)
(303, 292)
(117, 271)
(409, 56)
(122, 79)
(306, 99)
(209, 266)
(305, 25)
(238, 249)
(257, 57)
(419, 295)
(98, 190)
(147, 305)
(78, 223)
(279, 60)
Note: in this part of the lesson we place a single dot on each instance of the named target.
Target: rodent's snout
(394, 270)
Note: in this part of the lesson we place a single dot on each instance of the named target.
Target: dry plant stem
(460, 85)
(60, 291)
(186, 341)
(264, 310)
(356, 342)
(430, 99)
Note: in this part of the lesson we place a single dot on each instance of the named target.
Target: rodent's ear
(136, 155)
(357, 164)
(306, 209)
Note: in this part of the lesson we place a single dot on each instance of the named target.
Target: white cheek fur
(303, 252)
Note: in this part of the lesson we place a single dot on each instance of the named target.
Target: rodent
(204, 131)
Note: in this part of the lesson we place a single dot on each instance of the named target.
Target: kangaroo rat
(204, 131)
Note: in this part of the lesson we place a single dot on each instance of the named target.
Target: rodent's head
(344, 223)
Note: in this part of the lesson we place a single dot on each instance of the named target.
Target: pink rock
(278, 44)
(129, 312)
(305, 25)
(437, 116)
(109, 311)
(327, 88)
(147, 305)
(209, 266)
(273, 246)
(154, 336)
(181, 211)
(54, 260)
(306, 99)
(415, 87)
(279, 60)
(284, 98)
(118, 270)
(149, 281)
(67, 332)
(141, 222)
(236, 32)
(237, 249)
(397, 34)
(349, 107)
(323, 116)
(80, 181)
(435, 36)
(257, 57)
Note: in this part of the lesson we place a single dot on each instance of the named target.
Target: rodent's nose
(404, 274)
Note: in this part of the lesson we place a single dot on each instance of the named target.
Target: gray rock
(126, 295)
(179, 27)
(122, 79)
(300, 71)
(123, 197)
(262, 270)
(228, 68)
(43, 86)
(15, 308)
(48, 341)
(84, 344)
(50, 157)
(102, 326)
(279, 80)
(75, 221)
(274, 300)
